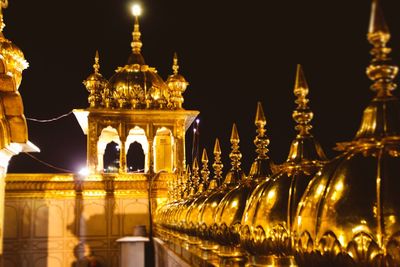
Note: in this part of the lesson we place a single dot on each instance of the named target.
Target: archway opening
(163, 146)
(137, 150)
(111, 157)
(108, 150)
(135, 158)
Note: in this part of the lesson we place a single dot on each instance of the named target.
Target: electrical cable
(50, 120)
(48, 164)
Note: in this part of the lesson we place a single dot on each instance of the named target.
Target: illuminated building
(347, 216)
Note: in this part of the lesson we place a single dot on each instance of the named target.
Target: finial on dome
(175, 66)
(377, 21)
(195, 175)
(217, 165)
(96, 65)
(260, 117)
(261, 141)
(381, 70)
(136, 42)
(302, 114)
(3, 4)
(205, 172)
(235, 135)
(235, 154)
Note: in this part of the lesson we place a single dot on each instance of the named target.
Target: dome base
(208, 245)
(281, 261)
(230, 252)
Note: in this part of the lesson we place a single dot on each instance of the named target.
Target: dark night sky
(233, 53)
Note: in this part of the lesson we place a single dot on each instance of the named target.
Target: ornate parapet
(70, 185)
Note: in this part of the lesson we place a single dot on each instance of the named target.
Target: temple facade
(306, 211)
(63, 220)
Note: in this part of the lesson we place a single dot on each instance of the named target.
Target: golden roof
(136, 85)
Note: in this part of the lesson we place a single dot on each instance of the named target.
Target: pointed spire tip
(260, 117)
(235, 134)
(377, 21)
(301, 82)
(217, 147)
(204, 156)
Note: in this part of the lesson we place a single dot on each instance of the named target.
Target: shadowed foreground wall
(64, 221)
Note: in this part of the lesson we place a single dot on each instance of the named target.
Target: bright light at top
(136, 10)
(197, 121)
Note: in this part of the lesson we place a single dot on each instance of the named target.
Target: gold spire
(235, 154)
(188, 183)
(380, 71)
(136, 42)
(217, 165)
(261, 141)
(175, 66)
(194, 182)
(3, 4)
(302, 114)
(377, 21)
(205, 173)
(96, 65)
(195, 175)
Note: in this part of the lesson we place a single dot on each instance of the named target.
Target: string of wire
(48, 164)
(50, 120)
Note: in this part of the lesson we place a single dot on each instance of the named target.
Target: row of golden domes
(308, 211)
(136, 85)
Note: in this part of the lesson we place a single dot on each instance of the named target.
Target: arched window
(111, 157)
(108, 150)
(137, 148)
(135, 158)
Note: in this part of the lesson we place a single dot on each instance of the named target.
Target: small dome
(137, 86)
(230, 210)
(95, 84)
(267, 223)
(350, 212)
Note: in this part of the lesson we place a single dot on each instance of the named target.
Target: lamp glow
(84, 171)
(136, 10)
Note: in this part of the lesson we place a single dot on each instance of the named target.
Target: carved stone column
(180, 152)
(150, 156)
(92, 139)
(122, 155)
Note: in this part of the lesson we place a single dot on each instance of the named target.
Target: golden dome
(177, 84)
(137, 85)
(11, 54)
(230, 210)
(183, 210)
(95, 84)
(203, 192)
(350, 213)
(208, 208)
(267, 232)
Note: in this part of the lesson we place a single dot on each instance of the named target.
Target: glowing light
(271, 195)
(234, 204)
(339, 186)
(136, 10)
(84, 171)
(197, 121)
